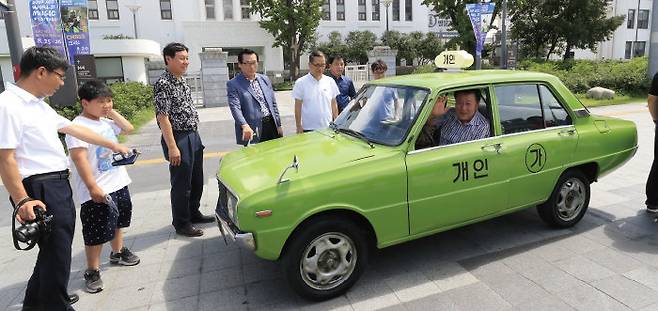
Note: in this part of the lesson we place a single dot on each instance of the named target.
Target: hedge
(625, 77)
(128, 99)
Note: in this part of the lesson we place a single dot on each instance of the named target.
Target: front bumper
(227, 229)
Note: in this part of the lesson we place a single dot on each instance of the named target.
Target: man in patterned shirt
(178, 120)
(462, 123)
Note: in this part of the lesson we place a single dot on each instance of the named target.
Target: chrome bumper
(244, 239)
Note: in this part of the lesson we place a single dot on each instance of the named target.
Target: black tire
(569, 201)
(331, 231)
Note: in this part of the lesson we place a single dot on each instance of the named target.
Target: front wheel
(325, 258)
(568, 202)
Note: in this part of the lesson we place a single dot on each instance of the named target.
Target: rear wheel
(325, 258)
(568, 202)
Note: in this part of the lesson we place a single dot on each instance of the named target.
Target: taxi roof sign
(454, 60)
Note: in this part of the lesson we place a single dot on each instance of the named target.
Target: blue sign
(46, 26)
(75, 26)
(480, 15)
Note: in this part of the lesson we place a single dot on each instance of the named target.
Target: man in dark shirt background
(345, 84)
(179, 121)
(652, 181)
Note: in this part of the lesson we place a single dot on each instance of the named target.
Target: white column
(237, 13)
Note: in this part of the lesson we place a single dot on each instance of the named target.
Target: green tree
(545, 27)
(334, 45)
(455, 10)
(292, 23)
(429, 48)
(358, 44)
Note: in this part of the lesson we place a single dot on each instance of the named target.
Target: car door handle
(496, 146)
(569, 132)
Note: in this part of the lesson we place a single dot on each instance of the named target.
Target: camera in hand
(34, 230)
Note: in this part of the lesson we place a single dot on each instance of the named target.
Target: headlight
(232, 205)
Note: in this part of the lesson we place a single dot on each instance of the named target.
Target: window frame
(111, 12)
(92, 14)
(326, 10)
(630, 19)
(166, 14)
(644, 22)
(537, 88)
(376, 10)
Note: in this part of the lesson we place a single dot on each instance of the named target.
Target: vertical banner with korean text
(75, 26)
(480, 15)
(46, 25)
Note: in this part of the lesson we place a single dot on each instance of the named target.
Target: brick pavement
(608, 261)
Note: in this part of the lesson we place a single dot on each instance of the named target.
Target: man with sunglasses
(315, 96)
(34, 169)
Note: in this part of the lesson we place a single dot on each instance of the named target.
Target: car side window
(520, 108)
(554, 113)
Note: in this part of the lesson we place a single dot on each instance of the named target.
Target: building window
(408, 10)
(92, 9)
(375, 10)
(362, 10)
(165, 9)
(245, 9)
(112, 9)
(326, 10)
(396, 10)
(643, 19)
(228, 9)
(340, 10)
(630, 19)
(638, 49)
(210, 9)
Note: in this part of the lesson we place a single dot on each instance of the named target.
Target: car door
(452, 184)
(538, 137)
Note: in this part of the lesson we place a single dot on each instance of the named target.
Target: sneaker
(124, 258)
(93, 281)
(653, 209)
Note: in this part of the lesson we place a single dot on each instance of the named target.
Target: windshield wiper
(356, 134)
(333, 126)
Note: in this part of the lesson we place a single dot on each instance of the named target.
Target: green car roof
(462, 78)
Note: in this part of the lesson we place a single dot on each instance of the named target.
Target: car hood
(259, 166)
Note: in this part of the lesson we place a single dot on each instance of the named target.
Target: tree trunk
(550, 50)
(567, 52)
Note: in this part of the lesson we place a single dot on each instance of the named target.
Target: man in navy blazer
(252, 103)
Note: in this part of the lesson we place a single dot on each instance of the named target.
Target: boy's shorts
(99, 220)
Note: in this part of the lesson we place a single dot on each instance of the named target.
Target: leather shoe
(190, 231)
(202, 219)
(73, 298)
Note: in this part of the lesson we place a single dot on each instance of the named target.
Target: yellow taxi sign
(454, 60)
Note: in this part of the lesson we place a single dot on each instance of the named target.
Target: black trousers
(47, 287)
(269, 131)
(652, 181)
(186, 179)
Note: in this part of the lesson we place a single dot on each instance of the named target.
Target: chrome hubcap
(328, 261)
(571, 199)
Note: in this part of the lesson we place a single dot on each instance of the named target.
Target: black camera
(33, 231)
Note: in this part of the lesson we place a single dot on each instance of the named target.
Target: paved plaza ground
(609, 261)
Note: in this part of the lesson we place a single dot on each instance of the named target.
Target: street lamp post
(134, 8)
(503, 38)
(387, 3)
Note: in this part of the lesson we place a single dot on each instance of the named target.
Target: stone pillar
(387, 55)
(214, 75)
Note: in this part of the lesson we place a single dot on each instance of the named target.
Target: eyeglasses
(319, 65)
(61, 76)
(253, 62)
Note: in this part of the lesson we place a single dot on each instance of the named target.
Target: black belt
(47, 176)
(267, 117)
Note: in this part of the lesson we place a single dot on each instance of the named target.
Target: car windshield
(382, 114)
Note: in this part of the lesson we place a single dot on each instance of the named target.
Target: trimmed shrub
(625, 77)
(129, 98)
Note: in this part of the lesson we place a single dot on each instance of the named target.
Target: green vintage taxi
(320, 201)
